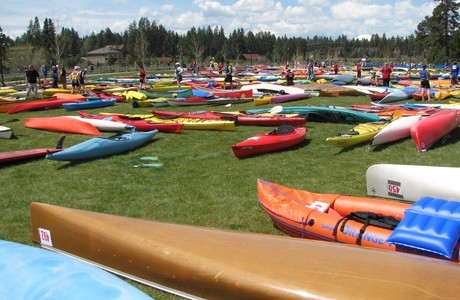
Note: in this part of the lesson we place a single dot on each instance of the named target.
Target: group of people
(58, 75)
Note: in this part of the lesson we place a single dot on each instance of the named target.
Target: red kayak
(62, 124)
(377, 96)
(283, 137)
(241, 119)
(19, 155)
(431, 129)
(60, 99)
(140, 124)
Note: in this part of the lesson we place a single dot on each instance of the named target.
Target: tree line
(435, 40)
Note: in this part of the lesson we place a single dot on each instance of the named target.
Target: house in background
(103, 54)
(251, 57)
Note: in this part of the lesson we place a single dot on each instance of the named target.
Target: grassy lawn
(200, 182)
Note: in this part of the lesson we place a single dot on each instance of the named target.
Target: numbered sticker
(45, 237)
(394, 189)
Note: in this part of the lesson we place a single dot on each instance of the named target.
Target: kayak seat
(429, 225)
(284, 129)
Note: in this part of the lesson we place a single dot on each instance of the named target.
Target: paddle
(276, 109)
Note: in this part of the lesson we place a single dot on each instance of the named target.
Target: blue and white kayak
(103, 146)
(33, 273)
(89, 104)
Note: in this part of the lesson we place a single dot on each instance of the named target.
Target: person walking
(54, 76)
(63, 77)
(33, 79)
(454, 75)
(425, 83)
(178, 73)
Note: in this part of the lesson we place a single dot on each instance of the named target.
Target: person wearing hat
(178, 72)
(289, 76)
(75, 79)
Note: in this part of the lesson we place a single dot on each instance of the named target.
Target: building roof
(107, 50)
(252, 56)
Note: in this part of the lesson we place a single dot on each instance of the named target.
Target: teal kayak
(323, 114)
(103, 146)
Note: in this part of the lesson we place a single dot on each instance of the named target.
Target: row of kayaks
(425, 131)
(193, 262)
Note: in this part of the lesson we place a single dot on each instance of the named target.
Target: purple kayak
(289, 97)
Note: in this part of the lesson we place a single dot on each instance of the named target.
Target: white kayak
(396, 130)
(5, 132)
(104, 125)
(412, 182)
(275, 88)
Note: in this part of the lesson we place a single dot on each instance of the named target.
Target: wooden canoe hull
(219, 264)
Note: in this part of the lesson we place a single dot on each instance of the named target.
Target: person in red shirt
(142, 78)
(336, 68)
(386, 74)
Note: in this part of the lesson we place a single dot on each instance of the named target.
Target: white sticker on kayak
(394, 188)
(45, 237)
(319, 206)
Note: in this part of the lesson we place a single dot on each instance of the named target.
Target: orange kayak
(62, 124)
(368, 222)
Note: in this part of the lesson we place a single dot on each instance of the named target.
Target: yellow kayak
(189, 123)
(361, 133)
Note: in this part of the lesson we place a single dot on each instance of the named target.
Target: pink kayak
(431, 129)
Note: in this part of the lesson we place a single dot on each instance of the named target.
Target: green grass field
(200, 182)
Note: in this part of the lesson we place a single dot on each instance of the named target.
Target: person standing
(311, 72)
(358, 69)
(142, 78)
(33, 79)
(75, 79)
(45, 72)
(82, 79)
(54, 76)
(454, 75)
(228, 75)
(425, 83)
(336, 68)
(178, 73)
(386, 74)
(63, 77)
(289, 77)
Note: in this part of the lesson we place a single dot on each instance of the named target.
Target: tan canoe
(217, 264)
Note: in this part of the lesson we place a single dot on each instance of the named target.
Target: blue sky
(299, 18)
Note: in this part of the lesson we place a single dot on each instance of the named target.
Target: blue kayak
(89, 104)
(104, 146)
(33, 273)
